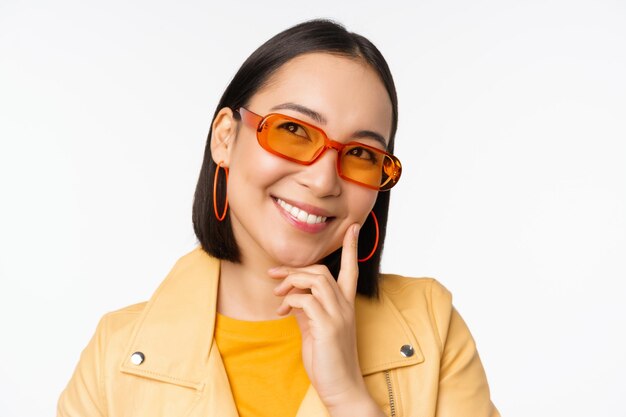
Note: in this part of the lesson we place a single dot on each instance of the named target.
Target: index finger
(349, 272)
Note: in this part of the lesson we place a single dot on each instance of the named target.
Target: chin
(296, 258)
(296, 253)
(297, 261)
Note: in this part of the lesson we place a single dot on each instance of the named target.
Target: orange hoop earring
(367, 258)
(217, 170)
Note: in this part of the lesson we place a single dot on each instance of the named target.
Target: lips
(301, 214)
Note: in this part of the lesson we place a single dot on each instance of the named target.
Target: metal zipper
(392, 401)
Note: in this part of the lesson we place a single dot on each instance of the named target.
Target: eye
(294, 129)
(364, 154)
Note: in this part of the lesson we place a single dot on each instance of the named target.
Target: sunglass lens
(363, 164)
(293, 140)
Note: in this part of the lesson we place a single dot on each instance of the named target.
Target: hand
(324, 309)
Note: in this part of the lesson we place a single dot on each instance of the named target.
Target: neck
(246, 291)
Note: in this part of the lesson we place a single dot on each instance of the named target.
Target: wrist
(361, 404)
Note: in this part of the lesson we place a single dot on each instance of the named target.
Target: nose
(321, 177)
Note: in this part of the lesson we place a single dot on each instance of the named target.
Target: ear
(224, 131)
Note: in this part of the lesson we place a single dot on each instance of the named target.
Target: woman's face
(349, 97)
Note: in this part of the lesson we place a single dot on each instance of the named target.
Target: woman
(281, 310)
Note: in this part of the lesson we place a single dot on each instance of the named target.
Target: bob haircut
(217, 237)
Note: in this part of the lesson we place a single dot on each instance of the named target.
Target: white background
(512, 134)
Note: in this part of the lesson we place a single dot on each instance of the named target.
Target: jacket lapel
(381, 333)
(175, 334)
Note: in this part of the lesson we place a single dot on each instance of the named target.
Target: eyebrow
(322, 120)
(301, 109)
(373, 135)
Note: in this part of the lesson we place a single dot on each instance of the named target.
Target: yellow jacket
(416, 354)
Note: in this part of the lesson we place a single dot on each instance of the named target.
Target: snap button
(407, 350)
(137, 358)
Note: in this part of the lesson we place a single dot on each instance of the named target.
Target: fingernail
(274, 269)
(356, 230)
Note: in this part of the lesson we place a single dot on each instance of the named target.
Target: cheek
(251, 167)
(362, 201)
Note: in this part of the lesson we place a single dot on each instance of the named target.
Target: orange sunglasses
(304, 143)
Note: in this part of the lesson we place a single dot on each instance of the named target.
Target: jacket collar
(175, 330)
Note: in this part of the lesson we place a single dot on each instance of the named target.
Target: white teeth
(301, 215)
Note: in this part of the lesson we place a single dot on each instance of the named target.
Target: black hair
(318, 35)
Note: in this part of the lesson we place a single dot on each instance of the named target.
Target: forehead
(346, 91)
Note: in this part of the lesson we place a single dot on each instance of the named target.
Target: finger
(349, 273)
(278, 272)
(283, 271)
(320, 286)
(305, 302)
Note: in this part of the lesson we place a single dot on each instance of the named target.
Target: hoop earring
(217, 170)
(367, 258)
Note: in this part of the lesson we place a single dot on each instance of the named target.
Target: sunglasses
(304, 143)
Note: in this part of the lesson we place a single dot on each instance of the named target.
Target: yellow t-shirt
(263, 360)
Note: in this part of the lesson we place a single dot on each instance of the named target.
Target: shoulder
(117, 325)
(409, 291)
(125, 314)
(424, 302)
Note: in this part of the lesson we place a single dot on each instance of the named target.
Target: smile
(300, 214)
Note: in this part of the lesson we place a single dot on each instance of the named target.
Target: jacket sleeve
(84, 394)
(463, 388)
